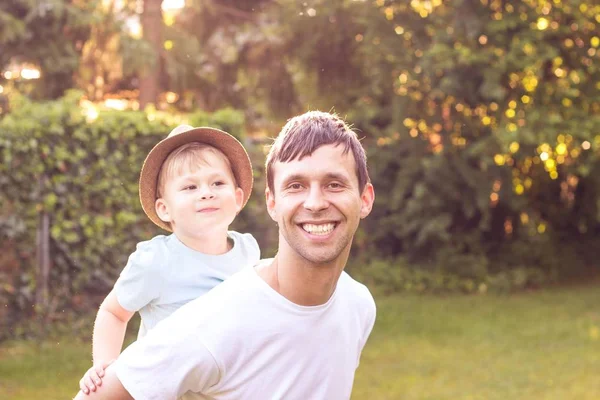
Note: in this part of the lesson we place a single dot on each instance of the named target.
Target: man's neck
(300, 281)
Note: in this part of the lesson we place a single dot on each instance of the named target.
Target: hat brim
(229, 145)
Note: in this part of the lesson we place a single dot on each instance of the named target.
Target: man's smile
(319, 229)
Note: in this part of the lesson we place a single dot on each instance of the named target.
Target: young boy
(193, 183)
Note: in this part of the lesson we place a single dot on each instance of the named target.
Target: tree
(112, 55)
(152, 28)
(480, 115)
(48, 34)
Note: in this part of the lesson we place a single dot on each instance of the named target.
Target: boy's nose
(206, 193)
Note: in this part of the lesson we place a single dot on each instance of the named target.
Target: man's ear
(367, 198)
(162, 209)
(270, 199)
(239, 199)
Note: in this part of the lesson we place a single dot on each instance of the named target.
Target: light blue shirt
(163, 274)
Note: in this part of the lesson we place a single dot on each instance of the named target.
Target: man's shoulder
(351, 284)
(355, 290)
(359, 298)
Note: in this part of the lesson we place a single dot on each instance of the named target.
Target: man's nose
(316, 201)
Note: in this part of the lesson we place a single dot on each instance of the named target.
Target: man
(292, 327)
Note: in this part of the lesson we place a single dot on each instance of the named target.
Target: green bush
(444, 275)
(226, 119)
(84, 176)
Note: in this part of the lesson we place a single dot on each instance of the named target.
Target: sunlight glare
(172, 4)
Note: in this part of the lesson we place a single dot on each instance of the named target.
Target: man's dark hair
(304, 134)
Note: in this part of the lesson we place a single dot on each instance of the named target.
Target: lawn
(542, 345)
(534, 345)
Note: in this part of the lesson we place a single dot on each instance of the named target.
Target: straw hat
(230, 146)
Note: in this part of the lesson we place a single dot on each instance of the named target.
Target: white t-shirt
(243, 340)
(163, 274)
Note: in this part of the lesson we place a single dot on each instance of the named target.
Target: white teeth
(318, 229)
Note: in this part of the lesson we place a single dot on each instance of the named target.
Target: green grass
(50, 369)
(542, 345)
(537, 345)
(47, 370)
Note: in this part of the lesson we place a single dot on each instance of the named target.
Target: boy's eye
(219, 183)
(190, 187)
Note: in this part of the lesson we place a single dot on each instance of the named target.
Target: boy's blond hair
(188, 157)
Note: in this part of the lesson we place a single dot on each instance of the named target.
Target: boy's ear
(239, 199)
(162, 209)
(270, 199)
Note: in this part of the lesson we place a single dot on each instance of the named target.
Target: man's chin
(322, 257)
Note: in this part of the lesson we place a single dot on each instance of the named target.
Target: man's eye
(335, 185)
(295, 186)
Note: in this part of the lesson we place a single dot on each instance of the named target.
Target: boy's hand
(92, 379)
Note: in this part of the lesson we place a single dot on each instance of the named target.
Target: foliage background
(481, 119)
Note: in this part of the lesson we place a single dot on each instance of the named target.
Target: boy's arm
(169, 361)
(112, 389)
(109, 329)
(109, 334)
